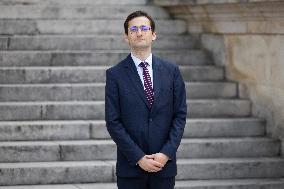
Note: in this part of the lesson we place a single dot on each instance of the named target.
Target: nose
(139, 32)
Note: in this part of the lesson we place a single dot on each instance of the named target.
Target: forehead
(138, 21)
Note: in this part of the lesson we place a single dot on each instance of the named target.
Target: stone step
(96, 27)
(226, 184)
(91, 74)
(72, 110)
(96, 129)
(218, 108)
(55, 172)
(96, 91)
(202, 73)
(237, 127)
(85, 150)
(228, 147)
(71, 2)
(91, 42)
(98, 171)
(69, 11)
(4, 43)
(93, 58)
(263, 183)
(237, 168)
(52, 130)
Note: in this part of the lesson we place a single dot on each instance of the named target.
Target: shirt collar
(137, 61)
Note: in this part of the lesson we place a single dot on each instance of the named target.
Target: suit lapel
(157, 72)
(135, 79)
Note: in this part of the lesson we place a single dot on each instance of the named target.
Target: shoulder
(118, 68)
(165, 63)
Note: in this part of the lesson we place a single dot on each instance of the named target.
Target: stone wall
(247, 37)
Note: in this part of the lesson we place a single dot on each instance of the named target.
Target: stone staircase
(53, 57)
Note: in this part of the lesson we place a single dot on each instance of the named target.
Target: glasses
(143, 28)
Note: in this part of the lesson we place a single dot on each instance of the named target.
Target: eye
(145, 28)
(133, 29)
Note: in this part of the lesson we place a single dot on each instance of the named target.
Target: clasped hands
(153, 162)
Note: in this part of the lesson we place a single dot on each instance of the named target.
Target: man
(145, 111)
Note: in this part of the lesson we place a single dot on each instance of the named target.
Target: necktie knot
(143, 64)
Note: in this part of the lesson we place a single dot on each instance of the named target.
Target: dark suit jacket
(135, 128)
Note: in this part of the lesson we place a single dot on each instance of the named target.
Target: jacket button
(150, 119)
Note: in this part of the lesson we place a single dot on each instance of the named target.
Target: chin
(142, 46)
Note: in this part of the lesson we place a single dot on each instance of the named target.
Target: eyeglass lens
(142, 28)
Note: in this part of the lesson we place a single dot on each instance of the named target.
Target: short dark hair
(135, 15)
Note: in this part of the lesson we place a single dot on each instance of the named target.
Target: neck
(142, 54)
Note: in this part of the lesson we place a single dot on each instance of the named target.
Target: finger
(157, 164)
(150, 156)
(145, 167)
(154, 168)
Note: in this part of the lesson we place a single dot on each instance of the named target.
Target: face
(140, 39)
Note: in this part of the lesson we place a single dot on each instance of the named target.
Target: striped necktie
(147, 83)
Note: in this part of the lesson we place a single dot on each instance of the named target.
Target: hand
(147, 163)
(161, 158)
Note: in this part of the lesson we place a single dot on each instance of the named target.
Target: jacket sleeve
(179, 117)
(114, 123)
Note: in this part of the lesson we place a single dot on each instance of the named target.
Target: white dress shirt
(137, 61)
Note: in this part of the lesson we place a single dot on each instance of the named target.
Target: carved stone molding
(230, 16)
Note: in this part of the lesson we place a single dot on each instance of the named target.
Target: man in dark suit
(145, 111)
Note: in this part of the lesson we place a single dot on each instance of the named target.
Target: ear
(154, 36)
(125, 36)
